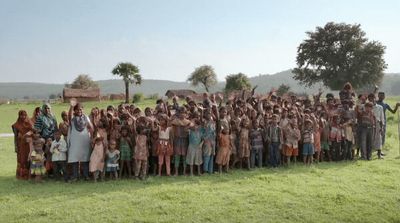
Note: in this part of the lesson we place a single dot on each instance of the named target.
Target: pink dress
(97, 158)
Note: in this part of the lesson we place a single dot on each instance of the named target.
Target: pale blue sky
(53, 41)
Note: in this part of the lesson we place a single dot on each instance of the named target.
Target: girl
(224, 150)
(244, 143)
(96, 165)
(37, 157)
(164, 144)
(194, 156)
(141, 153)
(125, 148)
(335, 137)
(112, 158)
(209, 142)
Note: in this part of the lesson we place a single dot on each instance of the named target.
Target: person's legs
(206, 160)
(75, 169)
(253, 158)
(260, 158)
(138, 164)
(85, 166)
(143, 172)
(168, 164)
(160, 164)
(369, 141)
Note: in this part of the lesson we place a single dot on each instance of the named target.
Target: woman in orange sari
(21, 128)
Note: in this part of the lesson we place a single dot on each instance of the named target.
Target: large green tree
(339, 53)
(204, 75)
(237, 82)
(130, 75)
(83, 81)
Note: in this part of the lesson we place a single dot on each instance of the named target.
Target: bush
(154, 96)
(138, 97)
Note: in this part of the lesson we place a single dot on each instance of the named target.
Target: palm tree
(130, 75)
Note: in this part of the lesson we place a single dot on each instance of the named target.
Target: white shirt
(59, 150)
(378, 112)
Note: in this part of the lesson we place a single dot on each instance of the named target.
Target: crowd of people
(213, 136)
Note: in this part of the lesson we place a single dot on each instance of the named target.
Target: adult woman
(22, 129)
(46, 123)
(79, 140)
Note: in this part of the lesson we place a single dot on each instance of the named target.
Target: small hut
(90, 94)
(181, 93)
(117, 97)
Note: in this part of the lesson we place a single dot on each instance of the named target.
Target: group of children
(246, 132)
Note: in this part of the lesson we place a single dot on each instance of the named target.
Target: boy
(58, 149)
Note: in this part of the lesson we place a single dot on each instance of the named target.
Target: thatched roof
(81, 93)
(181, 93)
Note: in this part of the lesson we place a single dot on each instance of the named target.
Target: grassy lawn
(358, 191)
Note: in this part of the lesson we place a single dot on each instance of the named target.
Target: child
(64, 125)
(317, 142)
(141, 154)
(164, 145)
(37, 157)
(58, 149)
(325, 129)
(244, 143)
(274, 138)
(194, 153)
(112, 158)
(125, 148)
(96, 165)
(180, 139)
(308, 142)
(256, 145)
(209, 142)
(335, 137)
(291, 138)
(224, 150)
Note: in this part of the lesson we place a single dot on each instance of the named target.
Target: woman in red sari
(21, 128)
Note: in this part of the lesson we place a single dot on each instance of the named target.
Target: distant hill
(20, 90)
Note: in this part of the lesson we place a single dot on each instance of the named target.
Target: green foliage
(130, 75)
(238, 81)
(154, 96)
(283, 89)
(339, 53)
(83, 81)
(205, 75)
(138, 97)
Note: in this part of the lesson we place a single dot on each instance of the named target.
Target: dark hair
(78, 106)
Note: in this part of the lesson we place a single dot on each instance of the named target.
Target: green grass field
(357, 191)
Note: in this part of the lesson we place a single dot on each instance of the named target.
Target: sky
(54, 41)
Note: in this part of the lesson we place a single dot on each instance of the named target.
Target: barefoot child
(209, 142)
(224, 150)
(96, 164)
(112, 158)
(37, 157)
(141, 154)
(164, 144)
(194, 153)
(257, 145)
(125, 148)
(308, 142)
(244, 143)
(58, 149)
